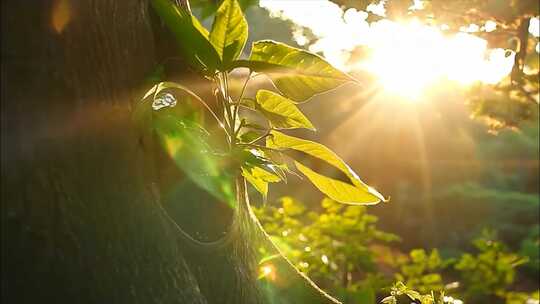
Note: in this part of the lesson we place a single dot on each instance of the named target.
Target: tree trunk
(82, 220)
(79, 217)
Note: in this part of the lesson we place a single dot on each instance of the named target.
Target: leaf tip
(150, 92)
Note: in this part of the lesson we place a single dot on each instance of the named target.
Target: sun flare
(409, 58)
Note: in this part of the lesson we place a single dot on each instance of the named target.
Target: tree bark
(79, 217)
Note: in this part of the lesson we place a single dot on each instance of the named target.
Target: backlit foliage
(257, 152)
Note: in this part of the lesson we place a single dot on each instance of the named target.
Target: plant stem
(259, 147)
(220, 79)
(196, 97)
(227, 105)
(240, 126)
(261, 137)
(225, 124)
(239, 100)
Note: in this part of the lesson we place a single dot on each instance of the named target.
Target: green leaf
(191, 36)
(296, 73)
(259, 179)
(230, 31)
(259, 185)
(174, 121)
(413, 294)
(281, 112)
(357, 193)
(186, 145)
(264, 175)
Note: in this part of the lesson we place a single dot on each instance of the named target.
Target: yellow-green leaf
(279, 140)
(259, 179)
(229, 31)
(174, 121)
(297, 73)
(259, 185)
(264, 175)
(337, 190)
(281, 112)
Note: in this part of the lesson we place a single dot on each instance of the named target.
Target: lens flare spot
(61, 15)
(267, 271)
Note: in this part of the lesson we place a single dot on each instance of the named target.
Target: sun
(408, 58)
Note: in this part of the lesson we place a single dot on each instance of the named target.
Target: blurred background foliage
(343, 251)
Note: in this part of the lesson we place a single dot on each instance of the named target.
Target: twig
(261, 137)
(239, 100)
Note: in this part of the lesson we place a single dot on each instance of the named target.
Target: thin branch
(239, 100)
(227, 106)
(259, 147)
(224, 103)
(519, 59)
(240, 126)
(267, 133)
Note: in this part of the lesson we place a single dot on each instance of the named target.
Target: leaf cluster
(259, 152)
(489, 272)
(487, 275)
(400, 291)
(422, 271)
